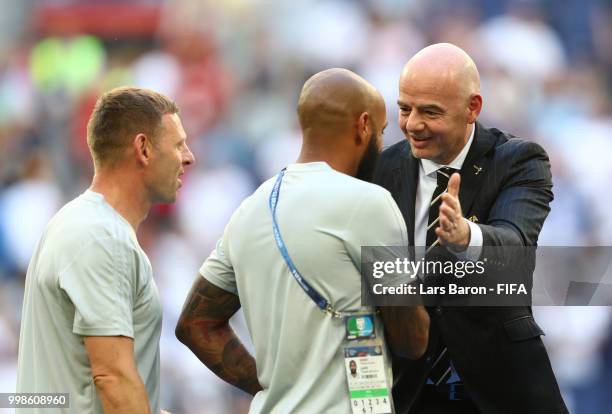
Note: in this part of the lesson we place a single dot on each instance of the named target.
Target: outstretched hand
(454, 231)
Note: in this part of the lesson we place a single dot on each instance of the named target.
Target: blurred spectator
(25, 210)
(200, 219)
(531, 49)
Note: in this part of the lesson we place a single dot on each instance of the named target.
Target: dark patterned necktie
(441, 369)
(444, 174)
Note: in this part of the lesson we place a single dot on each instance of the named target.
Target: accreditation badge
(360, 327)
(366, 372)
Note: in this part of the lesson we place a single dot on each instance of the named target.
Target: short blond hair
(121, 114)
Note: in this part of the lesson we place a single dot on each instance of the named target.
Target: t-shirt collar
(309, 166)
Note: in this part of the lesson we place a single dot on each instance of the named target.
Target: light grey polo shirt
(88, 277)
(324, 217)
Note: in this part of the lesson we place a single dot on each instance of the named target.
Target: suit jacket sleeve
(518, 213)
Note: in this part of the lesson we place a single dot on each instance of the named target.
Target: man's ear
(474, 108)
(364, 126)
(142, 149)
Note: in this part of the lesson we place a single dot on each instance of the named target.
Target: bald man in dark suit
(498, 190)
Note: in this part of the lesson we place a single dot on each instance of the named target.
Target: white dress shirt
(428, 181)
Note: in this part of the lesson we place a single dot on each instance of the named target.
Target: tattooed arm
(204, 328)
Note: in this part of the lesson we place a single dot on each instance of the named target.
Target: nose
(413, 122)
(188, 157)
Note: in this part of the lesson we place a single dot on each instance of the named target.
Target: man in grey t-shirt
(91, 317)
(325, 214)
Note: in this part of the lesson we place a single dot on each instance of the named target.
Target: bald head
(332, 100)
(439, 101)
(342, 118)
(443, 65)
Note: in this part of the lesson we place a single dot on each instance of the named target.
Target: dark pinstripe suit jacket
(505, 184)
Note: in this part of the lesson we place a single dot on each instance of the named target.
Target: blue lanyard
(321, 302)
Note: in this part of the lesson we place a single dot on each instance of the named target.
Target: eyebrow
(433, 107)
(425, 107)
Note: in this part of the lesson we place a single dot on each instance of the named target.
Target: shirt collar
(309, 166)
(429, 167)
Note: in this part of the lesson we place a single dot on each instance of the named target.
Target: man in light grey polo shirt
(325, 215)
(91, 317)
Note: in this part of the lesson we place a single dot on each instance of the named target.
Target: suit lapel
(408, 182)
(475, 167)
(473, 172)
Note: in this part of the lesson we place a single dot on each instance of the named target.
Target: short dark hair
(122, 113)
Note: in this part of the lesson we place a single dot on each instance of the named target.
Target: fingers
(451, 206)
(455, 235)
(451, 197)
(450, 227)
(453, 184)
(448, 231)
(448, 218)
(441, 235)
(451, 209)
(453, 230)
(446, 224)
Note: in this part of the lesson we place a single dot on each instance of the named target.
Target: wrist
(464, 242)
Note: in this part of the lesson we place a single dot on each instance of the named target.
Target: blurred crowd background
(236, 67)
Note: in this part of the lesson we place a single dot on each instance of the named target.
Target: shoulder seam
(86, 246)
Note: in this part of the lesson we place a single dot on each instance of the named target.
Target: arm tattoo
(204, 328)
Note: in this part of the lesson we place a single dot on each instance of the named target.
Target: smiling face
(169, 156)
(438, 101)
(433, 118)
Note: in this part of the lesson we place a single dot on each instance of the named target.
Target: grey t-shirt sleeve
(100, 282)
(218, 268)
